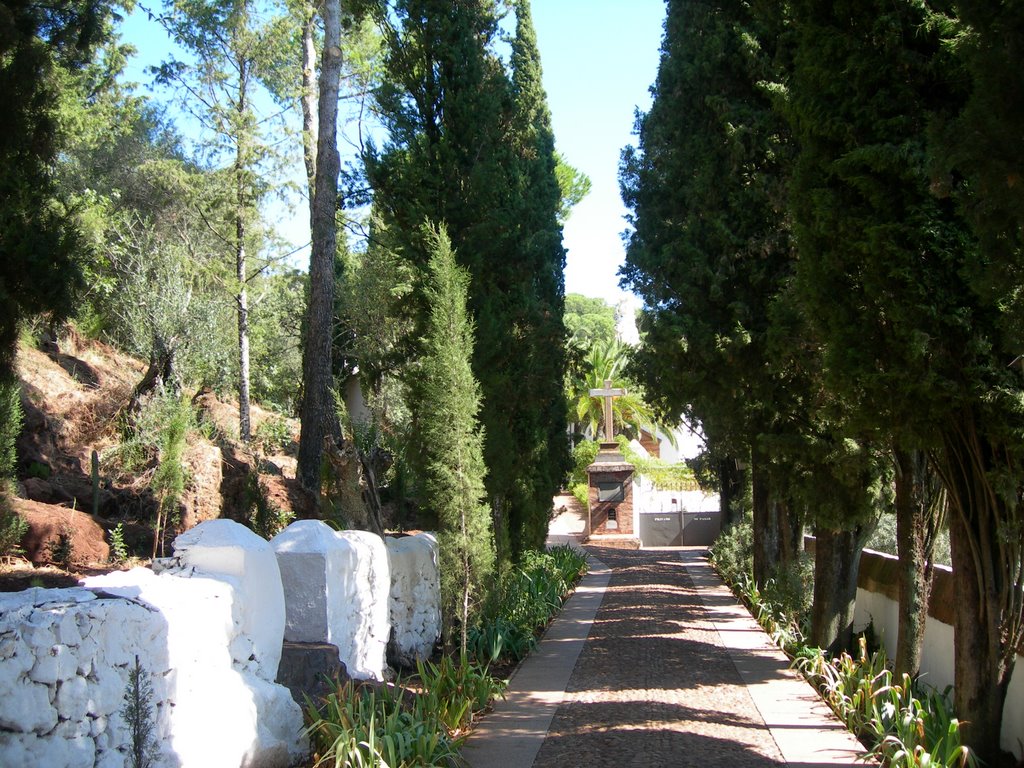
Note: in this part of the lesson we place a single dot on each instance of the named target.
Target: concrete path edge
(511, 735)
(807, 732)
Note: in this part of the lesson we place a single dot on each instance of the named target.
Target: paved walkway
(653, 663)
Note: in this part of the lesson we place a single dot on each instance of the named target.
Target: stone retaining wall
(878, 604)
(207, 627)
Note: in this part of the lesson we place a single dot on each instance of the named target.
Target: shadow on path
(654, 663)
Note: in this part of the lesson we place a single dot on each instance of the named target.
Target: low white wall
(415, 600)
(336, 587)
(937, 655)
(209, 643)
(208, 627)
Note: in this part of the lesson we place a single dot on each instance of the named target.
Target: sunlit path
(654, 663)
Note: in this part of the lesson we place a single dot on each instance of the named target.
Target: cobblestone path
(653, 685)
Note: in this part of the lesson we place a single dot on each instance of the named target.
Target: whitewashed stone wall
(415, 602)
(64, 657)
(937, 655)
(207, 626)
(204, 634)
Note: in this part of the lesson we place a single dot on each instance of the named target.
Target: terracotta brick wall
(623, 509)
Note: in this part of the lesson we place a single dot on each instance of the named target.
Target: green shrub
(570, 563)
(906, 724)
(12, 529)
(39, 470)
(273, 434)
(523, 603)
(495, 638)
(61, 550)
(456, 693)
(733, 552)
(118, 548)
(378, 727)
(582, 493)
(583, 456)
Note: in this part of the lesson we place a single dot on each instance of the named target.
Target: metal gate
(661, 529)
(700, 529)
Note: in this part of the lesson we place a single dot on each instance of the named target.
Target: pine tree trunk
(242, 297)
(836, 565)
(308, 101)
(318, 416)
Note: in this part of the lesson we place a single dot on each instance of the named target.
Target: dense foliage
(826, 235)
(469, 145)
(524, 602)
(362, 724)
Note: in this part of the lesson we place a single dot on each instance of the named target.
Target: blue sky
(600, 58)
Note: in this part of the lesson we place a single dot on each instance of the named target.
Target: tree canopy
(469, 144)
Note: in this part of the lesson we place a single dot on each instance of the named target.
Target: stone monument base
(614, 541)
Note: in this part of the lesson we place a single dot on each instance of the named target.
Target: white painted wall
(208, 630)
(415, 599)
(937, 656)
(204, 633)
(337, 586)
(649, 499)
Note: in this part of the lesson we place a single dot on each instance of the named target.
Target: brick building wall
(619, 513)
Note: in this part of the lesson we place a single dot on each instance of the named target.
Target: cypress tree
(903, 295)
(543, 444)
(709, 250)
(470, 147)
(453, 439)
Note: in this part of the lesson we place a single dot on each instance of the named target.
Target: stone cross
(608, 393)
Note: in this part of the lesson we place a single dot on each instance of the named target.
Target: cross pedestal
(611, 520)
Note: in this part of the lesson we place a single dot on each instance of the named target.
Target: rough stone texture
(653, 684)
(306, 668)
(364, 597)
(415, 601)
(58, 699)
(221, 710)
(223, 548)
